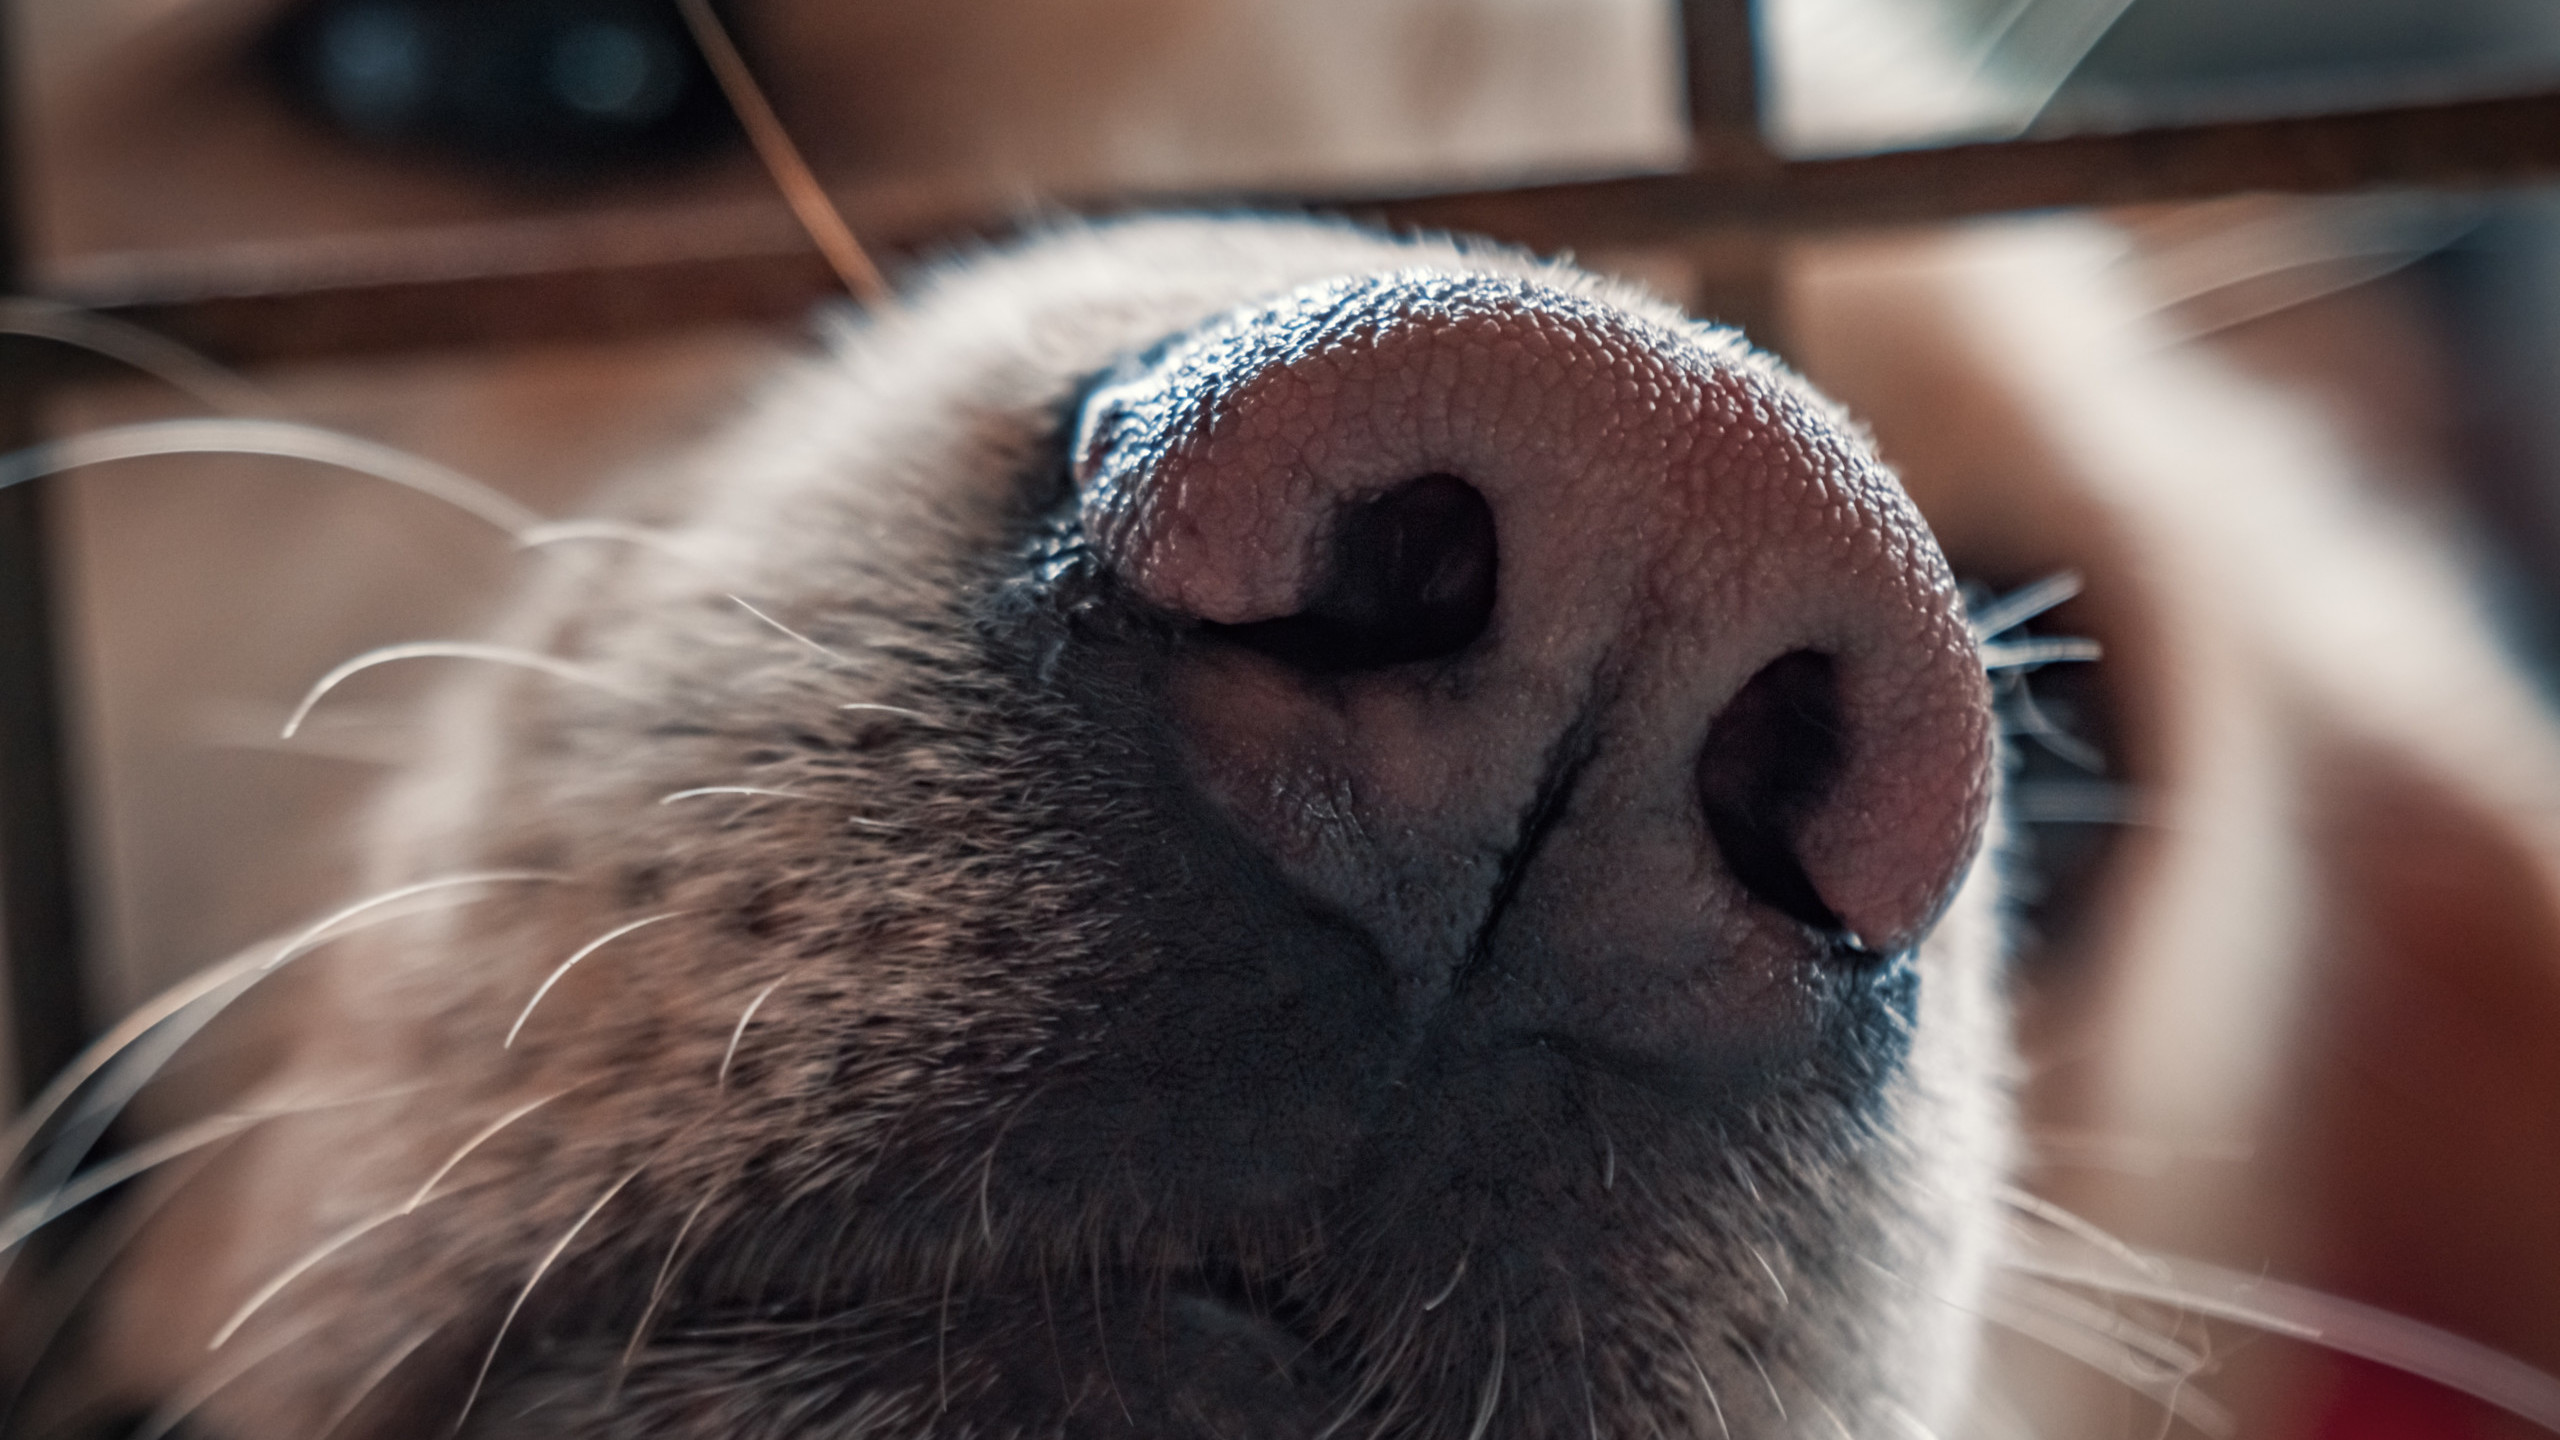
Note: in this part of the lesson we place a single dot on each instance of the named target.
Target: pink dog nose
(1550, 640)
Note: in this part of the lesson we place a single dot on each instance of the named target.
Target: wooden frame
(591, 278)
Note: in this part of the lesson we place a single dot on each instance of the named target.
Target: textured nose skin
(1722, 697)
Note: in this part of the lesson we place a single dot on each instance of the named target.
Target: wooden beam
(605, 276)
(2458, 144)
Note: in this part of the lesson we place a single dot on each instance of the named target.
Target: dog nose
(1556, 641)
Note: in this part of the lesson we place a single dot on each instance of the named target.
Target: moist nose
(1548, 638)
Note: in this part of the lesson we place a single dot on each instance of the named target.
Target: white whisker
(2035, 1314)
(859, 822)
(356, 734)
(1998, 617)
(1834, 1417)
(701, 790)
(2333, 1323)
(620, 532)
(2036, 45)
(2064, 802)
(1709, 1386)
(2026, 654)
(191, 1397)
(1492, 1395)
(479, 1137)
(540, 1269)
(584, 951)
(837, 656)
(1911, 1424)
(371, 1380)
(2166, 1351)
(1769, 1270)
(2019, 705)
(34, 1215)
(721, 1081)
(151, 1155)
(301, 1266)
(2165, 1289)
(208, 983)
(658, 1287)
(273, 439)
(148, 351)
(2274, 257)
(1449, 1286)
(550, 665)
(46, 1307)
(2295, 284)
(1765, 1382)
(2110, 1358)
(2035, 1206)
(901, 711)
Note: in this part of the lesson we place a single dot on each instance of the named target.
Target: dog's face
(1228, 827)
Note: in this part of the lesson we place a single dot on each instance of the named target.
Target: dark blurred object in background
(542, 86)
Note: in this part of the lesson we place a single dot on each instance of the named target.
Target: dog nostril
(1771, 759)
(1411, 579)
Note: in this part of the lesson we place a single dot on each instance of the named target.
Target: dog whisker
(1706, 1386)
(873, 707)
(857, 821)
(274, 440)
(366, 1226)
(540, 1269)
(1999, 616)
(2053, 802)
(2172, 1356)
(583, 952)
(480, 1137)
(1753, 1355)
(192, 1396)
(658, 1288)
(2027, 654)
(739, 1033)
(1769, 1270)
(371, 1380)
(62, 1199)
(1449, 1287)
(2144, 1361)
(2036, 1207)
(2294, 253)
(1491, 1397)
(44, 1310)
(302, 1265)
(837, 656)
(701, 790)
(550, 665)
(1837, 1424)
(2109, 1357)
(2026, 716)
(622, 532)
(2330, 1321)
(126, 343)
(212, 981)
